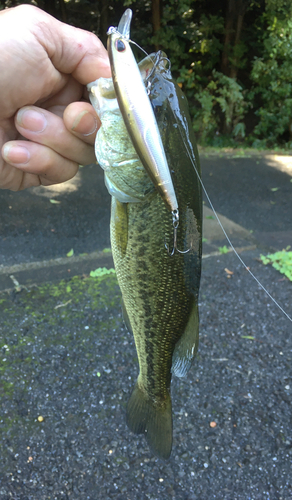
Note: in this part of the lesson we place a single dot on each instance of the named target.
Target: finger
(82, 54)
(42, 127)
(71, 92)
(32, 158)
(71, 50)
(15, 180)
(81, 119)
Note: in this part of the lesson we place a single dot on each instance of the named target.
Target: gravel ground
(67, 369)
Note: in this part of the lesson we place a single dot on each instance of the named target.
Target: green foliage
(101, 271)
(223, 96)
(223, 249)
(272, 82)
(192, 39)
(224, 100)
(282, 261)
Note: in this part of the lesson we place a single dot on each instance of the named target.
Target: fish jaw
(125, 176)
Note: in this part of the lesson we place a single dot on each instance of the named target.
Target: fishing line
(234, 250)
(212, 206)
(225, 233)
(134, 43)
(221, 226)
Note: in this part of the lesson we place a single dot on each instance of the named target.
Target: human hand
(47, 65)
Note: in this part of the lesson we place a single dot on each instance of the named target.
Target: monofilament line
(237, 254)
(218, 220)
(227, 237)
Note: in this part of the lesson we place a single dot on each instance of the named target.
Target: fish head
(125, 176)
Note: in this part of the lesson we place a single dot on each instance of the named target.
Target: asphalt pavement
(68, 364)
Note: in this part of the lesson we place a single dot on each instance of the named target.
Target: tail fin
(155, 422)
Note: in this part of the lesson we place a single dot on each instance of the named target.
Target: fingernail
(85, 123)
(31, 120)
(15, 154)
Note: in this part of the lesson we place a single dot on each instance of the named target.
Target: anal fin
(187, 346)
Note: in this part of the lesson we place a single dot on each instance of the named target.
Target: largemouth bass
(159, 291)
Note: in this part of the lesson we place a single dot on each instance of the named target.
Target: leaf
(210, 217)
(227, 271)
(281, 261)
(70, 253)
(54, 202)
(247, 337)
(265, 260)
(274, 189)
(101, 271)
(223, 249)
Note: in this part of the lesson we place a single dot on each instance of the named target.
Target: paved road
(67, 358)
(253, 192)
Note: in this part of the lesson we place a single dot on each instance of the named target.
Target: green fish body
(160, 291)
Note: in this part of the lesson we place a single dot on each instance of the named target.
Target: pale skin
(47, 126)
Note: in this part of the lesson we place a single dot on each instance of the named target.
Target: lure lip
(124, 25)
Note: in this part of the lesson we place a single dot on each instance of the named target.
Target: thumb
(82, 54)
(73, 50)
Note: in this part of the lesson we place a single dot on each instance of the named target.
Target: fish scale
(157, 301)
(159, 290)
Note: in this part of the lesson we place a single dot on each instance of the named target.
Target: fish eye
(120, 46)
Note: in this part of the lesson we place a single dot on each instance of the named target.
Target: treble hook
(175, 223)
(148, 88)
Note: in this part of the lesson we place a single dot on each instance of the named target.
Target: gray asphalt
(66, 356)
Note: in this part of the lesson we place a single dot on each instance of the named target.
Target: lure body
(137, 111)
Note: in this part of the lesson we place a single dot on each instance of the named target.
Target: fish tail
(154, 421)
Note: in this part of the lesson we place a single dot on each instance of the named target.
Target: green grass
(240, 151)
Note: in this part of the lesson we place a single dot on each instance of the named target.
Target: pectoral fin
(119, 226)
(187, 346)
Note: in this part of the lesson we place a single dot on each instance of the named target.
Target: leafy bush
(272, 83)
(222, 100)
